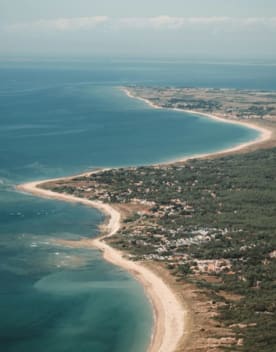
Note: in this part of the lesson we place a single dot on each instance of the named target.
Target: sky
(138, 28)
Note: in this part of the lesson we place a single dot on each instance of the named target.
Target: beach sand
(169, 313)
(170, 316)
(265, 134)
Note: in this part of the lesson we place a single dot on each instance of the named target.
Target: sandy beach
(264, 133)
(169, 313)
(170, 324)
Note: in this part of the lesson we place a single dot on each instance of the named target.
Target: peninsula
(199, 234)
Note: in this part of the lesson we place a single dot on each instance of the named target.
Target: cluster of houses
(156, 240)
(170, 246)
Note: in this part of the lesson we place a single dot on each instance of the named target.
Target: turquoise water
(54, 122)
(65, 129)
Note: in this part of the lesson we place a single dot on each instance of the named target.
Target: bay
(58, 119)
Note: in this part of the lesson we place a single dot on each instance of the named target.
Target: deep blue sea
(63, 118)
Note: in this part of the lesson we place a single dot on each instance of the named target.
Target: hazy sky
(144, 28)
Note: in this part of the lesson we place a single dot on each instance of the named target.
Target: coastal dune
(169, 313)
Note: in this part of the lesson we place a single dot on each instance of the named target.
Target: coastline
(169, 312)
(170, 316)
(265, 133)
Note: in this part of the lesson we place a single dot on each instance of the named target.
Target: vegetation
(213, 217)
(228, 103)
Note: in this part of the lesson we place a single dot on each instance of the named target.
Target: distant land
(230, 103)
(205, 225)
(252, 108)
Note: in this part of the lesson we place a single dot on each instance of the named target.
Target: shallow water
(58, 121)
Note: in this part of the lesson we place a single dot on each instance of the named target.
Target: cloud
(177, 23)
(152, 22)
(143, 23)
(166, 22)
(59, 24)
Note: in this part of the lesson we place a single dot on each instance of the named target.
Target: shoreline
(170, 316)
(265, 133)
(169, 312)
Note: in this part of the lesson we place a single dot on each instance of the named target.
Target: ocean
(63, 118)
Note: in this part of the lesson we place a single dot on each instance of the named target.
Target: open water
(58, 119)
